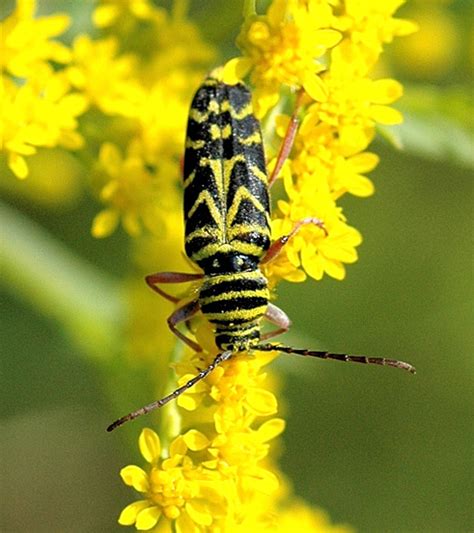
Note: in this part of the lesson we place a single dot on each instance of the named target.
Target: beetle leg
(288, 140)
(278, 317)
(183, 314)
(277, 246)
(152, 281)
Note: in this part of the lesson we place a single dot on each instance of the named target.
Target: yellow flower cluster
(324, 51)
(39, 106)
(195, 497)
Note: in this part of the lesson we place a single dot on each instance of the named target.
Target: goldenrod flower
(283, 48)
(313, 250)
(38, 107)
(25, 41)
(105, 78)
(308, 519)
(110, 12)
(136, 195)
(39, 113)
(174, 488)
(370, 24)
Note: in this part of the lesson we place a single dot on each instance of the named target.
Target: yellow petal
(354, 139)
(104, 15)
(131, 224)
(235, 69)
(312, 263)
(199, 513)
(184, 524)
(150, 446)
(135, 477)
(364, 162)
(315, 87)
(335, 269)
(266, 481)
(178, 447)
(270, 429)
(147, 518)
(261, 401)
(18, 166)
(195, 440)
(129, 515)
(264, 99)
(104, 223)
(187, 401)
(327, 38)
(385, 115)
(111, 158)
(360, 186)
(281, 124)
(296, 276)
(74, 103)
(385, 91)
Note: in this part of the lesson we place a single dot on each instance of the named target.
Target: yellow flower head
(111, 12)
(134, 193)
(370, 24)
(104, 77)
(40, 113)
(234, 388)
(316, 252)
(174, 489)
(308, 519)
(282, 48)
(25, 41)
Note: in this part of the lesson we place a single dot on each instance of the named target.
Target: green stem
(249, 8)
(59, 284)
(169, 424)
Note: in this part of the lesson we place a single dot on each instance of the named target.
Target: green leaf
(43, 272)
(438, 124)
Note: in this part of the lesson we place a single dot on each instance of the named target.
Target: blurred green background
(379, 449)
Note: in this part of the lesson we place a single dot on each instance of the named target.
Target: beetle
(227, 233)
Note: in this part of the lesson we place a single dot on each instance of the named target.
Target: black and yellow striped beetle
(227, 232)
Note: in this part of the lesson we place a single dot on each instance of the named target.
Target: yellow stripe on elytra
(205, 197)
(217, 132)
(242, 194)
(216, 169)
(254, 138)
(213, 106)
(195, 145)
(229, 165)
(204, 231)
(247, 248)
(189, 179)
(198, 116)
(262, 176)
(239, 115)
(209, 250)
(238, 230)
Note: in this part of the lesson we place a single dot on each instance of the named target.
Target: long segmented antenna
(159, 403)
(338, 356)
(224, 356)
